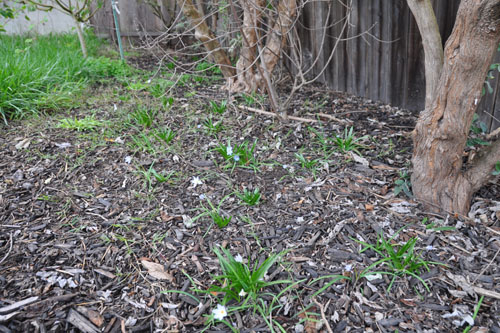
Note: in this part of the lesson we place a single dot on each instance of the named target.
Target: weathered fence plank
(380, 56)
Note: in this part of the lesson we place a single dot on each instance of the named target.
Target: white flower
(238, 258)
(242, 293)
(229, 150)
(128, 159)
(196, 181)
(202, 196)
(220, 312)
(348, 268)
(429, 247)
(236, 157)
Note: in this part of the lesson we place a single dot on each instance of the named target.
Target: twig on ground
(322, 310)
(10, 249)
(271, 114)
(486, 267)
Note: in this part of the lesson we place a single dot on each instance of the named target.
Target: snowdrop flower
(236, 157)
(238, 258)
(196, 181)
(242, 293)
(220, 312)
(115, 107)
(229, 150)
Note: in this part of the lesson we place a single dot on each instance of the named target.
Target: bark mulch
(91, 241)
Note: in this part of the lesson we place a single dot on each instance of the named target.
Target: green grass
(47, 73)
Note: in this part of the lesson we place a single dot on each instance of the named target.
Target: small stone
(18, 175)
(179, 234)
(27, 185)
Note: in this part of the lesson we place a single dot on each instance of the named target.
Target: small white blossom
(202, 196)
(429, 247)
(242, 293)
(128, 159)
(348, 268)
(229, 150)
(196, 181)
(220, 312)
(236, 157)
(238, 258)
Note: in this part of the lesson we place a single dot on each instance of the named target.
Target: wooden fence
(379, 56)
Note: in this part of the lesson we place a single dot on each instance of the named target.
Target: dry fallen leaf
(157, 270)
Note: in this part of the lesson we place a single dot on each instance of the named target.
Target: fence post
(114, 7)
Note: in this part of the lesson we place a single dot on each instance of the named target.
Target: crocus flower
(196, 181)
(220, 312)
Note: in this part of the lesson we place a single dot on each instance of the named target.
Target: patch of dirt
(83, 220)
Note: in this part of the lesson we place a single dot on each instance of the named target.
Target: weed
(320, 139)
(400, 260)
(220, 220)
(85, 124)
(151, 174)
(218, 108)
(160, 87)
(251, 198)
(253, 99)
(241, 155)
(403, 184)
(45, 73)
(167, 101)
(474, 315)
(477, 128)
(306, 163)
(239, 280)
(214, 213)
(435, 226)
(348, 142)
(213, 127)
(144, 116)
(496, 172)
(334, 279)
(142, 142)
(165, 134)
(208, 67)
(102, 67)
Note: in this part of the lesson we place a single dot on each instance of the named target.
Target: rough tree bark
(252, 66)
(440, 180)
(433, 48)
(246, 66)
(207, 37)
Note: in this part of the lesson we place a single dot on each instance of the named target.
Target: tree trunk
(81, 37)
(207, 37)
(250, 77)
(439, 178)
(287, 9)
(433, 48)
(246, 66)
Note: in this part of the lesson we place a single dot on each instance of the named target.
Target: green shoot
(251, 198)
